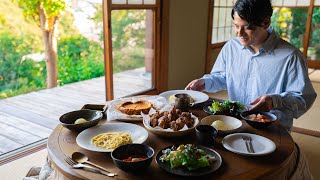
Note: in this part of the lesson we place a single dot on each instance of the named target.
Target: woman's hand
(196, 85)
(262, 103)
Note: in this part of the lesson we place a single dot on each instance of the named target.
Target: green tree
(315, 36)
(128, 37)
(47, 14)
(290, 23)
(299, 19)
(128, 28)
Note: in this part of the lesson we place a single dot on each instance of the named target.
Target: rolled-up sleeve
(298, 95)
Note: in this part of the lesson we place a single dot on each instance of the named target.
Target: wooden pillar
(308, 29)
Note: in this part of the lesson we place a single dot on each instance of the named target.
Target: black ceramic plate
(207, 110)
(209, 103)
(184, 171)
(234, 114)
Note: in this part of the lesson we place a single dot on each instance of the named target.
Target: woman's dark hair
(253, 11)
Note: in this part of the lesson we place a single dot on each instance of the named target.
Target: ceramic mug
(206, 135)
(183, 102)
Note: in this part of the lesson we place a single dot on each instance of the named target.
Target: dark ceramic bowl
(206, 134)
(257, 124)
(228, 112)
(132, 150)
(92, 116)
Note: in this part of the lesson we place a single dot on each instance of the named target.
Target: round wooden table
(62, 143)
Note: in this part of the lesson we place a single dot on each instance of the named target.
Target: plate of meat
(170, 122)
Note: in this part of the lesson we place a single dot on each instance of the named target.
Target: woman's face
(253, 37)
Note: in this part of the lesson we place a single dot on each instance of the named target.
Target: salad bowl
(228, 108)
(184, 171)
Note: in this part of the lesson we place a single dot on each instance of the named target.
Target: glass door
(132, 41)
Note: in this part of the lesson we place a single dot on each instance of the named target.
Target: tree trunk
(50, 46)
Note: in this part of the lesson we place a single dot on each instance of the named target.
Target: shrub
(16, 75)
(127, 58)
(79, 59)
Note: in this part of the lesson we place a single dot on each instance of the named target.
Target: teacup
(183, 102)
(206, 135)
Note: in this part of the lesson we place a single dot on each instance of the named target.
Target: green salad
(188, 156)
(226, 107)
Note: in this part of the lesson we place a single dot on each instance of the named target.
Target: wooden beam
(315, 64)
(163, 54)
(108, 48)
(217, 45)
(132, 6)
(308, 29)
(210, 25)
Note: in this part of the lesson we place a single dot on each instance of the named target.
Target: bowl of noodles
(133, 157)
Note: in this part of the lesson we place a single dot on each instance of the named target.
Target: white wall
(187, 41)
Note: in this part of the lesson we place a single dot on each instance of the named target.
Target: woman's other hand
(196, 85)
(262, 103)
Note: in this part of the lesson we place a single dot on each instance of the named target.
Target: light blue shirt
(278, 69)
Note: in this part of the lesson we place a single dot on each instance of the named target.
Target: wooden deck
(28, 118)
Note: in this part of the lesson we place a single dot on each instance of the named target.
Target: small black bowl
(92, 116)
(257, 124)
(206, 134)
(132, 150)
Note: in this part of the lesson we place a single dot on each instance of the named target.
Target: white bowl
(232, 123)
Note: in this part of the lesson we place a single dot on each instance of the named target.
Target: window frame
(312, 63)
(161, 34)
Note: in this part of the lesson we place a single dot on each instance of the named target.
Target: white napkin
(113, 113)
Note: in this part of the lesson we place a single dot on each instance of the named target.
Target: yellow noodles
(111, 140)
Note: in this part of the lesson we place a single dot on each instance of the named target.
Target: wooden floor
(28, 118)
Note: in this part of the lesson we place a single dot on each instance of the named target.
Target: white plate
(236, 144)
(199, 97)
(138, 134)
